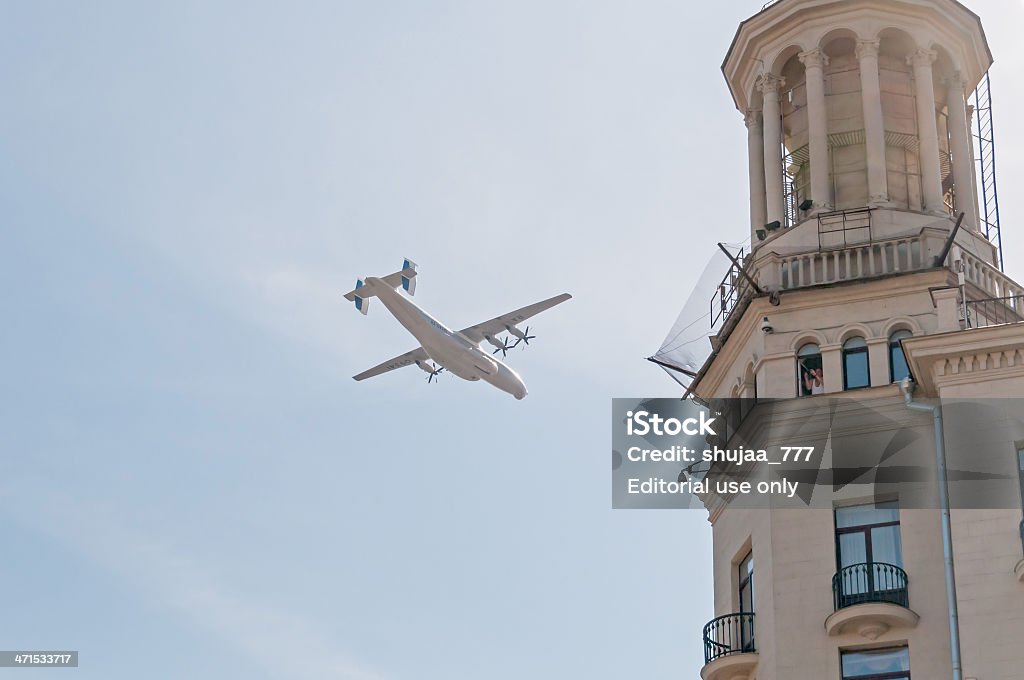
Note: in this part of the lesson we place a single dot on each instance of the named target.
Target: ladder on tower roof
(985, 142)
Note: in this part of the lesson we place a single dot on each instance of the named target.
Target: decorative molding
(813, 58)
(870, 620)
(867, 49)
(955, 80)
(752, 119)
(978, 363)
(979, 355)
(730, 667)
(922, 58)
(770, 83)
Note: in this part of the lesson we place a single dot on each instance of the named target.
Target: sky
(191, 484)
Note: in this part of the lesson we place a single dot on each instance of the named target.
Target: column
(774, 190)
(874, 124)
(878, 361)
(927, 131)
(817, 127)
(963, 157)
(832, 367)
(755, 161)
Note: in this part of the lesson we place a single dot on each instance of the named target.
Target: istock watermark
(813, 453)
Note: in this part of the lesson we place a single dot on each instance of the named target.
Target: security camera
(766, 326)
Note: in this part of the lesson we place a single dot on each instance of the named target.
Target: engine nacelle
(428, 366)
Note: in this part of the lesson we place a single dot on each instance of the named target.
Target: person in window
(810, 380)
(814, 381)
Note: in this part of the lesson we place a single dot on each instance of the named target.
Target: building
(861, 155)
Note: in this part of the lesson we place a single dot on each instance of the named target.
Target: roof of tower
(803, 24)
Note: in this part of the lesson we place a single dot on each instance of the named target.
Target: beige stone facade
(860, 156)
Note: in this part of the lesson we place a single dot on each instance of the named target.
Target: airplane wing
(402, 361)
(497, 325)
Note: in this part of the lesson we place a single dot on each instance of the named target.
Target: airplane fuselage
(456, 353)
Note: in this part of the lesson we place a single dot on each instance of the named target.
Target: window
(1020, 471)
(877, 664)
(746, 582)
(898, 369)
(856, 373)
(868, 534)
(870, 556)
(810, 379)
(746, 588)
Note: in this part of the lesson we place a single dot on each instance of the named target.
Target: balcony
(870, 599)
(995, 311)
(729, 649)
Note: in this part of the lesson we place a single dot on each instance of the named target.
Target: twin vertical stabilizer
(364, 290)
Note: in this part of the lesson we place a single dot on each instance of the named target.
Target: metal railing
(994, 311)
(843, 228)
(729, 291)
(729, 634)
(796, 183)
(869, 582)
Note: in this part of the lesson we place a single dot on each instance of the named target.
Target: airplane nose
(520, 394)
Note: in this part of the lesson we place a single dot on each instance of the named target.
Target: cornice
(966, 356)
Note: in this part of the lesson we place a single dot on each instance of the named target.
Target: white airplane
(442, 348)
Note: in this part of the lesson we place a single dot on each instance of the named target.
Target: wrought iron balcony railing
(995, 311)
(729, 634)
(869, 582)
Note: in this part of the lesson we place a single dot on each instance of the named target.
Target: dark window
(856, 373)
(898, 369)
(809, 376)
(868, 534)
(877, 664)
(746, 582)
(1020, 469)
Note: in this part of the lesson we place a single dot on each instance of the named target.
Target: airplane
(442, 348)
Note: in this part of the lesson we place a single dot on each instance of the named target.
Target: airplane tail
(361, 297)
(365, 289)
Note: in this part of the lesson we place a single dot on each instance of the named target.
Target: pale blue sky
(191, 485)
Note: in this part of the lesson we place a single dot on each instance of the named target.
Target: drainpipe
(947, 533)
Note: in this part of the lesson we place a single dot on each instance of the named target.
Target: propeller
(525, 338)
(431, 368)
(504, 347)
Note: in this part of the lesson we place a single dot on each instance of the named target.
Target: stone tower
(861, 160)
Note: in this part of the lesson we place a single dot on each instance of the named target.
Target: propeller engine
(501, 345)
(431, 368)
(521, 336)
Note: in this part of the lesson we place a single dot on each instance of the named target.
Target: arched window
(898, 369)
(856, 373)
(810, 379)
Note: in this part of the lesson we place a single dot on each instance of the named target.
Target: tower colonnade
(857, 117)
